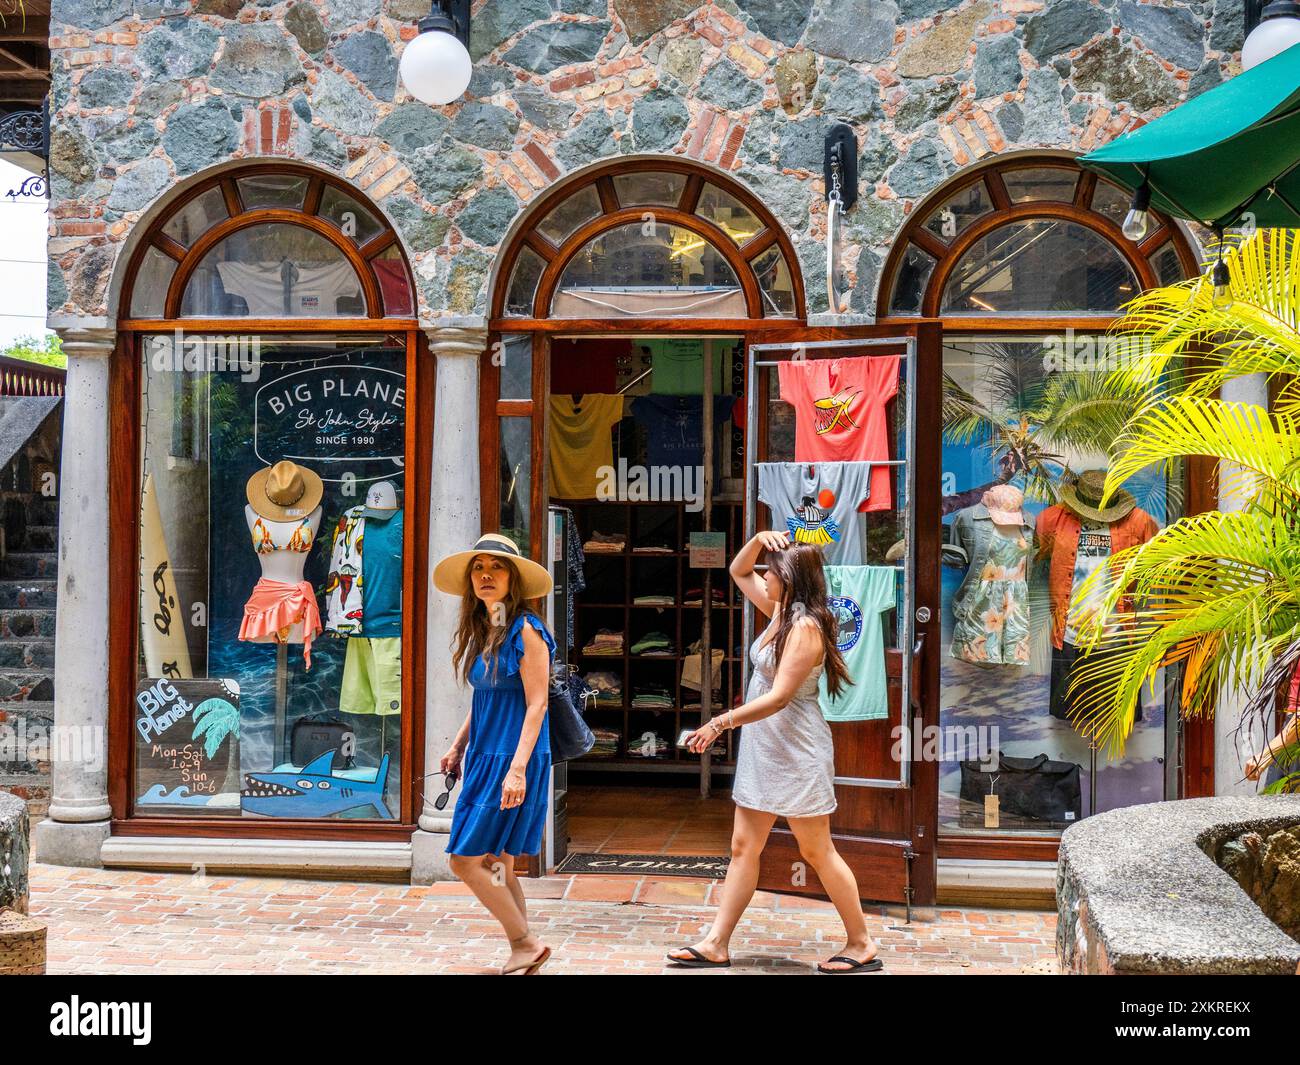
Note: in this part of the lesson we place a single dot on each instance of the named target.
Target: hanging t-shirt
(819, 505)
(381, 577)
(273, 290)
(1093, 553)
(675, 427)
(580, 442)
(858, 596)
(678, 365)
(840, 413)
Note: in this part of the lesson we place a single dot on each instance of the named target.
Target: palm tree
(1217, 593)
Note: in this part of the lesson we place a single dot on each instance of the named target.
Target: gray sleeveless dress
(786, 764)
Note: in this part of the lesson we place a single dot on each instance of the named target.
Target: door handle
(915, 665)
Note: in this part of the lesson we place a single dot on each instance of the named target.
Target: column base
(429, 858)
(70, 843)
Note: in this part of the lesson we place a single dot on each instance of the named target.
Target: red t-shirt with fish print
(840, 414)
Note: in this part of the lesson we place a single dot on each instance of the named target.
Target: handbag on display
(1037, 788)
(570, 736)
(312, 736)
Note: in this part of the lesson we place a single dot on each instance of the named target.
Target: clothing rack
(910, 645)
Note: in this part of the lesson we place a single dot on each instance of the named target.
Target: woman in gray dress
(786, 765)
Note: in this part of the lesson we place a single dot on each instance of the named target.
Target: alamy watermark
(1090, 352)
(651, 484)
(195, 352)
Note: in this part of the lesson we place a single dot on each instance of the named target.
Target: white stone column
(78, 818)
(453, 525)
(1230, 748)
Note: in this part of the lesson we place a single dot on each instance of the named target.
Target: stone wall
(14, 851)
(1267, 868)
(149, 92)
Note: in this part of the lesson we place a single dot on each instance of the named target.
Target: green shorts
(372, 676)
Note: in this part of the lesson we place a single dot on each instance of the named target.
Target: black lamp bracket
(840, 165)
(448, 16)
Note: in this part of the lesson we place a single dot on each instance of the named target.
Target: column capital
(85, 338)
(465, 337)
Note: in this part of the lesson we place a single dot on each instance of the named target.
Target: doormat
(709, 866)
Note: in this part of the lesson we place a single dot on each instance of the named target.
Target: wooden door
(886, 821)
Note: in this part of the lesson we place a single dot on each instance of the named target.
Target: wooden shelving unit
(613, 581)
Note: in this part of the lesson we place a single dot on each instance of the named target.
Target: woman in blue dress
(504, 652)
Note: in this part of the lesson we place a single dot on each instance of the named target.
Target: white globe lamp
(435, 65)
(1278, 30)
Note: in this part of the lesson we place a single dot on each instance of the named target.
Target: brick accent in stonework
(267, 129)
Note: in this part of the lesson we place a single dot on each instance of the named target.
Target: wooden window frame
(125, 487)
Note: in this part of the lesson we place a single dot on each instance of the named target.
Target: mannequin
(1076, 537)
(991, 608)
(283, 516)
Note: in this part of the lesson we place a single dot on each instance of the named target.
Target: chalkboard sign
(187, 746)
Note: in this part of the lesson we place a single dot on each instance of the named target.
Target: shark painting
(313, 791)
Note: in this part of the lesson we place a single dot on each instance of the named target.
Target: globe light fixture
(435, 65)
(1278, 30)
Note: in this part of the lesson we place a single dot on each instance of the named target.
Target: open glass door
(846, 469)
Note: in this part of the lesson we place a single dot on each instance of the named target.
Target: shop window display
(271, 584)
(1024, 526)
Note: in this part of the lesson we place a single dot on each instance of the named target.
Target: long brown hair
(801, 569)
(476, 634)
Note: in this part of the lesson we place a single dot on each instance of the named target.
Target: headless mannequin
(283, 566)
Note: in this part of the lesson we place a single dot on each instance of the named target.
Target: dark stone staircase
(28, 588)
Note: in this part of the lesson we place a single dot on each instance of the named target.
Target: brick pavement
(119, 921)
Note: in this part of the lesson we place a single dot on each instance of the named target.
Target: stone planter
(14, 851)
(1139, 890)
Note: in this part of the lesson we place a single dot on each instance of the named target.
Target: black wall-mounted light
(435, 65)
(840, 164)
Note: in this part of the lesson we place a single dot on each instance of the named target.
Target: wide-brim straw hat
(284, 492)
(449, 574)
(1084, 498)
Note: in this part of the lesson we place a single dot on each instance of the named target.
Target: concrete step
(20, 686)
(28, 594)
(39, 565)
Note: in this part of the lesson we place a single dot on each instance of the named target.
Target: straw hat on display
(1084, 498)
(449, 574)
(284, 492)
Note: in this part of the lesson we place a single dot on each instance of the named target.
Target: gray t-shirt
(821, 506)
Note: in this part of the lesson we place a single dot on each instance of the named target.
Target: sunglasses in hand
(448, 782)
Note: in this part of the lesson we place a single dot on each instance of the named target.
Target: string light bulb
(1221, 279)
(1137, 219)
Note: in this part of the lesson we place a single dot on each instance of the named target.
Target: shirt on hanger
(858, 597)
(840, 413)
(381, 582)
(818, 504)
(678, 365)
(580, 442)
(675, 428)
(309, 291)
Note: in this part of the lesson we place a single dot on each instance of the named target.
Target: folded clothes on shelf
(653, 643)
(605, 642)
(653, 600)
(606, 689)
(695, 597)
(605, 544)
(651, 698)
(606, 745)
(652, 549)
(650, 745)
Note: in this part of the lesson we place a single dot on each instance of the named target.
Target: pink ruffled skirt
(275, 607)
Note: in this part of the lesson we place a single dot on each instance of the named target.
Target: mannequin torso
(282, 549)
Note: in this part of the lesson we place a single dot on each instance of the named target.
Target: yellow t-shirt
(580, 442)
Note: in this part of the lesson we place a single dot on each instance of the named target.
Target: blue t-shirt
(381, 577)
(675, 425)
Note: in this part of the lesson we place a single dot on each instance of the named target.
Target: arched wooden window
(1023, 237)
(653, 239)
(269, 242)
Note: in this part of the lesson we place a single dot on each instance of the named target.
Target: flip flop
(530, 968)
(698, 961)
(871, 965)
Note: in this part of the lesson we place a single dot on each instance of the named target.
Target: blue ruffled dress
(479, 825)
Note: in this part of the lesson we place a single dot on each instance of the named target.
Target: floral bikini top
(264, 543)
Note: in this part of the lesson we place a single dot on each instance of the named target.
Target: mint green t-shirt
(858, 596)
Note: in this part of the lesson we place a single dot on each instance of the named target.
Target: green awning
(1233, 149)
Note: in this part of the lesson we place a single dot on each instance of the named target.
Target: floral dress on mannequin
(991, 609)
